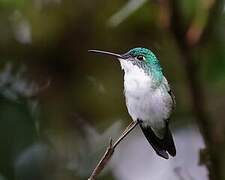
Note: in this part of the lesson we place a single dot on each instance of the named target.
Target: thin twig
(110, 150)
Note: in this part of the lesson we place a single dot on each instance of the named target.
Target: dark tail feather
(161, 146)
(154, 141)
(169, 142)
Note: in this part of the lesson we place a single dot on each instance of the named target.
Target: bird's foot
(139, 121)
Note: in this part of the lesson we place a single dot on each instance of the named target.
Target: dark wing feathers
(167, 87)
(173, 98)
(166, 145)
(161, 146)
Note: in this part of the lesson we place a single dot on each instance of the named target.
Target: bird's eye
(140, 57)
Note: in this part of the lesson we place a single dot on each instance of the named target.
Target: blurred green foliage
(50, 38)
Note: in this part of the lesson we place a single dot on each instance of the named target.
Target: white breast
(144, 101)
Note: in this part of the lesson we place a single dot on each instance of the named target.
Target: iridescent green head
(142, 57)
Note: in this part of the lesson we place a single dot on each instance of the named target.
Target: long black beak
(107, 53)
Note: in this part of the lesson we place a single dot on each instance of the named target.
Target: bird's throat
(141, 73)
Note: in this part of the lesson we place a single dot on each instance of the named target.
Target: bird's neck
(151, 71)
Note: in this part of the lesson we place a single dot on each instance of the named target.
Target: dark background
(59, 104)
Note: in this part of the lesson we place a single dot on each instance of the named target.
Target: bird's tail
(161, 146)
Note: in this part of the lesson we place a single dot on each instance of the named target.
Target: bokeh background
(59, 104)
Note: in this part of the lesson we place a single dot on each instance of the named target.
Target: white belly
(144, 101)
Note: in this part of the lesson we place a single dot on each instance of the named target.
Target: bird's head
(141, 57)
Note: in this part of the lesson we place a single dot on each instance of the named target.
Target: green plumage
(150, 63)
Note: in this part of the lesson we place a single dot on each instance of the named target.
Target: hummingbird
(149, 99)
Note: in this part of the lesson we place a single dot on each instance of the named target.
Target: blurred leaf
(125, 12)
(33, 162)
(13, 3)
